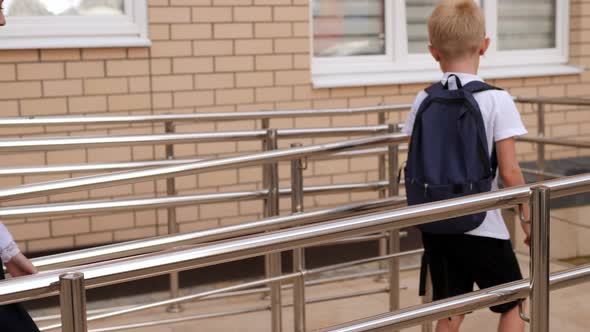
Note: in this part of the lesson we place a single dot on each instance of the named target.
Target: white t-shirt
(501, 120)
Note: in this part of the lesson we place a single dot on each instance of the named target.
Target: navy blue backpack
(448, 155)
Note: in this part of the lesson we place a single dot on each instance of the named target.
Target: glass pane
(348, 27)
(418, 12)
(526, 24)
(63, 7)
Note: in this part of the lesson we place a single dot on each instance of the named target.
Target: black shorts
(458, 261)
(14, 318)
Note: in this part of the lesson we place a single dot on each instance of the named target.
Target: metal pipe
(298, 253)
(462, 304)
(382, 175)
(143, 246)
(72, 299)
(145, 266)
(100, 181)
(394, 236)
(554, 141)
(554, 100)
(544, 174)
(172, 224)
(541, 145)
(540, 222)
(273, 263)
(62, 143)
(200, 117)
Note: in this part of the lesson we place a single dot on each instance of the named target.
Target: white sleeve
(8, 248)
(507, 121)
(409, 124)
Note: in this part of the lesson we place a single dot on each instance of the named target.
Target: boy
(483, 255)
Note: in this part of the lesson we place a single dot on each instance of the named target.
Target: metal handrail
(554, 100)
(37, 144)
(200, 117)
(117, 178)
(149, 265)
(125, 249)
(462, 304)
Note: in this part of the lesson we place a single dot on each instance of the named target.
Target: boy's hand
(19, 266)
(527, 231)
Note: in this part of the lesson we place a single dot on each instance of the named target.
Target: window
(74, 23)
(370, 42)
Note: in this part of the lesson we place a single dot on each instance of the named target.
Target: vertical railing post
(172, 224)
(541, 146)
(394, 238)
(540, 226)
(298, 253)
(72, 300)
(382, 174)
(265, 124)
(273, 261)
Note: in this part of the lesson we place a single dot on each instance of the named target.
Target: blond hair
(456, 27)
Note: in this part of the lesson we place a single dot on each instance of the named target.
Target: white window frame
(397, 66)
(31, 32)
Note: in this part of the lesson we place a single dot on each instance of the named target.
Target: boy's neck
(467, 65)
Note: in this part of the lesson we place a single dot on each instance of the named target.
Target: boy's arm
(511, 174)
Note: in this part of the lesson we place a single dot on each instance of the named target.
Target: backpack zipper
(425, 189)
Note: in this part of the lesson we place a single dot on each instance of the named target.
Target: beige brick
(315, 122)
(274, 94)
(191, 31)
(139, 84)
(188, 2)
(272, 2)
(213, 47)
(308, 92)
(187, 213)
(171, 48)
(169, 15)
(161, 66)
(218, 178)
(212, 14)
(291, 13)
(110, 154)
(193, 98)
(172, 83)
(87, 104)
(60, 54)
(70, 226)
(347, 92)
(274, 62)
(192, 65)
(127, 67)
(9, 108)
(7, 72)
(93, 239)
(365, 101)
(273, 30)
(232, 2)
(162, 100)
(255, 79)
(85, 69)
(252, 14)
(28, 231)
(105, 86)
(50, 244)
(129, 102)
(578, 89)
(40, 71)
(145, 218)
(215, 81)
(136, 233)
(331, 103)
(292, 45)
(12, 56)
(254, 46)
(103, 53)
(45, 106)
(292, 77)
(219, 210)
(232, 30)
(159, 31)
(62, 88)
(301, 29)
(234, 96)
(112, 221)
(234, 63)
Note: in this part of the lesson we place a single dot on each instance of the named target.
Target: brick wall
(215, 56)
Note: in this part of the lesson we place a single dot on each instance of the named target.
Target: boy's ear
(435, 54)
(484, 46)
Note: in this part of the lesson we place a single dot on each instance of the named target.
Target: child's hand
(526, 227)
(19, 266)
(527, 241)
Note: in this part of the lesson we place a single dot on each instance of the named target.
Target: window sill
(385, 78)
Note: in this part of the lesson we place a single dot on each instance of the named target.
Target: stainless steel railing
(179, 259)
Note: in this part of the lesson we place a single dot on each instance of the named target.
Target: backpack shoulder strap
(479, 86)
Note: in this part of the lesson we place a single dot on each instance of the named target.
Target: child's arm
(16, 263)
(511, 174)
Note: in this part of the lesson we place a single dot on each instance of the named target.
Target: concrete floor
(569, 309)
